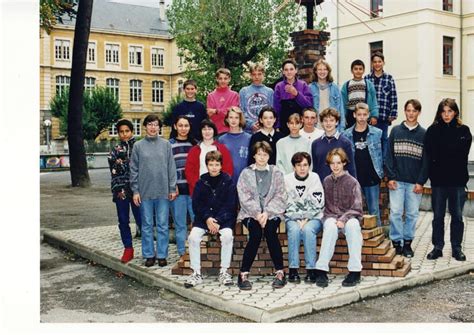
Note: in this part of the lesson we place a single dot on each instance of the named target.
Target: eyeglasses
(152, 124)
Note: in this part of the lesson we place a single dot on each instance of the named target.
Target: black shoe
(150, 262)
(310, 276)
(243, 282)
(407, 250)
(162, 262)
(435, 253)
(280, 279)
(398, 247)
(138, 232)
(294, 277)
(352, 279)
(459, 255)
(321, 278)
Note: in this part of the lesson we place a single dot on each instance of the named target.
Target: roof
(121, 17)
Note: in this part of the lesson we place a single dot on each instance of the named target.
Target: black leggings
(255, 236)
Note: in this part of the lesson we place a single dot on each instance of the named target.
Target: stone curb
(147, 277)
(138, 273)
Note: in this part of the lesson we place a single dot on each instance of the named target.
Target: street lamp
(47, 126)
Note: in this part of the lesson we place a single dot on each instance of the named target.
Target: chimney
(162, 10)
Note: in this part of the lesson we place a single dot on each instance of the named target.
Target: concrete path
(263, 303)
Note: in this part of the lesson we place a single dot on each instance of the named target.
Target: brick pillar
(309, 46)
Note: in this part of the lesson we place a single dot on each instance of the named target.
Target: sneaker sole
(322, 284)
(245, 288)
(188, 285)
(351, 284)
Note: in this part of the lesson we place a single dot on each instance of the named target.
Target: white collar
(254, 167)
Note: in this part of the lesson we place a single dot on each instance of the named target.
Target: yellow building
(130, 51)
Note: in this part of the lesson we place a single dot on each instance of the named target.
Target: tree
(223, 33)
(77, 154)
(51, 12)
(101, 109)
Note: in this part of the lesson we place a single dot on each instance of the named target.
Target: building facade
(428, 47)
(130, 51)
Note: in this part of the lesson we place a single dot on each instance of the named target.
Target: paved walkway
(263, 303)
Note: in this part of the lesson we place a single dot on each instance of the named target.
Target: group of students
(260, 156)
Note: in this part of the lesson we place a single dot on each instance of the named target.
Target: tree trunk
(77, 154)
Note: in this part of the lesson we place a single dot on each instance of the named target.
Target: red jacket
(191, 170)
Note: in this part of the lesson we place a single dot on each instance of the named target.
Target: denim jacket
(375, 146)
(335, 101)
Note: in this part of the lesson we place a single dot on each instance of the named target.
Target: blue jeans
(456, 196)
(179, 209)
(371, 194)
(160, 209)
(383, 125)
(123, 214)
(308, 236)
(403, 199)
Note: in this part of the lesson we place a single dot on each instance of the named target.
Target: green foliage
(166, 116)
(101, 109)
(231, 33)
(51, 11)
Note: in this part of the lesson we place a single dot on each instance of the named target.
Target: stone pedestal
(309, 46)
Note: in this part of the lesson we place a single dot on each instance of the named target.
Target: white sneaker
(193, 280)
(225, 279)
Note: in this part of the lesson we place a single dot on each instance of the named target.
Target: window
(448, 55)
(137, 127)
(112, 53)
(376, 8)
(375, 46)
(113, 85)
(157, 57)
(157, 88)
(135, 55)
(135, 90)
(91, 52)
(448, 5)
(180, 87)
(62, 49)
(89, 85)
(62, 82)
(113, 130)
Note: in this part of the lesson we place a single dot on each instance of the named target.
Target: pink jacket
(222, 99)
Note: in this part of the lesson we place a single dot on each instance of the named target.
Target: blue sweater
(238, 145)
(321, 147)
(252, 99)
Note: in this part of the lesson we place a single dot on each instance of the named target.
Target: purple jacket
(304, 97)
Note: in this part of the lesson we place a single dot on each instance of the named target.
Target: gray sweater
(152, 169)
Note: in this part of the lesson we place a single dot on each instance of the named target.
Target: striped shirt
(180, 151)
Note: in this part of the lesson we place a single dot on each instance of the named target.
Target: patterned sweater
(274, 202)
(305, 197)
(119, 164)
(406, 160)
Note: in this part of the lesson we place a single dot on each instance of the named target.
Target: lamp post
(47, 127)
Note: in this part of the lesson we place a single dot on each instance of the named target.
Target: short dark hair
(261, 145)
(266, 109)
(357, 62)
(289, 61)
(124, 122)
(152, 118)
(377, 54)
(415, 103)
(214, 155)
(299, 157)
(210, 124)
(191, 82)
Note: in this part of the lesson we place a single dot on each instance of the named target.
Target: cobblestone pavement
(263, 303)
